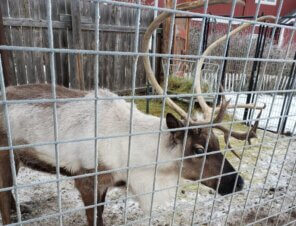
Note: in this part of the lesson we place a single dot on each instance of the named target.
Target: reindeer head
(197, 138)
(203, 149)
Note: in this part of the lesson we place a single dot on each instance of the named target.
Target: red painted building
(268, 7)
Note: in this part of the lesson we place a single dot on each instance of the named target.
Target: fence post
(9, 77)
(261, 50)
(77, 80)
(288, 97)
(223, 71)
(247, 112)
(205, 34)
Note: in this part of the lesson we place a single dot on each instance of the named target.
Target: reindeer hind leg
(6, 198)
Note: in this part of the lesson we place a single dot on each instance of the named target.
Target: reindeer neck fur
(33, 123)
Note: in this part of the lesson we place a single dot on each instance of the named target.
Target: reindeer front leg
(86, 189)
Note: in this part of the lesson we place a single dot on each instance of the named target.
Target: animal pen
(117, 45)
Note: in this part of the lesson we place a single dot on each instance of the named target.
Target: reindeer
(33, 123)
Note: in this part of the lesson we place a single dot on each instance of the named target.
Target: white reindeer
(33, 123)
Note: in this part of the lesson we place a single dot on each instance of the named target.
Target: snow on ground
(273, 110)
(272, 181)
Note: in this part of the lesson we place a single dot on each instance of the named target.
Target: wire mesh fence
(97, 158)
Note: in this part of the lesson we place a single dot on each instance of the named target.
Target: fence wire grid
(132, 168)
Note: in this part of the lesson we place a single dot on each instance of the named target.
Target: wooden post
(7, 72)
(77, 80)
(166, 29)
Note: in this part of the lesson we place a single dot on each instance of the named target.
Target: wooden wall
(73, 27)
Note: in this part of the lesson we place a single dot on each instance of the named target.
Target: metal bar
(134, 134)
(269, 114)
(55, 119)
(134, 72)
(216, 99)
(280, 174)
(206, 5)
(166, 77)
(28, 22)
(109, 202)
(272, 105)
(254, 68)
(160, 9)
(96, 128)
(243, 151)
(288, 96)
(154, 48)
(121, 53)
(10, 144)
(260, 54)
(224, 71)
(239, 17)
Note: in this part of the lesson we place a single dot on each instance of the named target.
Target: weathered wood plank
(7, 66)
(57, 57)
(27, 34)
(66, 43)
(28, 22)
(4, 8)
(87, 43)
(77, 80)
(44, 39)
(16, 39)
(57, 44)
(37, 42)
(45, 56)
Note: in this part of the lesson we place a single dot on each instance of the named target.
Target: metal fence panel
(171, 171)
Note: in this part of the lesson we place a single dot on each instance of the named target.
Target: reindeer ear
(173, 123)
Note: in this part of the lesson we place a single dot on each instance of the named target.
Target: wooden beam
(166, 29)
(77, 81)
(85, 25)
(5, 56)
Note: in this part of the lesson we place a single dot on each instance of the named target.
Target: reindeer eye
(198, 151)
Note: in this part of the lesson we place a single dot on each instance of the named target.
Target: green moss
(180, 85)
(155, 107)
(183, 85)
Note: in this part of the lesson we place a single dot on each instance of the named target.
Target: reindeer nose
(240, 184)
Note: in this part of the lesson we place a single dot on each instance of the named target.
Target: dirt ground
(279, 187)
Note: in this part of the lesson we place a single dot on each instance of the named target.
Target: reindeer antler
(207, 110)
(145, 46)
(204, 106)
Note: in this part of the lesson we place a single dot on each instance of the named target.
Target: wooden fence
(73, 28)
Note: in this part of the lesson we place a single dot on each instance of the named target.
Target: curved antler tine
(222, 91)
(206, 109)
(222, 110)
(145, 46)
(240, 136)
(231, 149)
(255, 126)
(226, 137)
